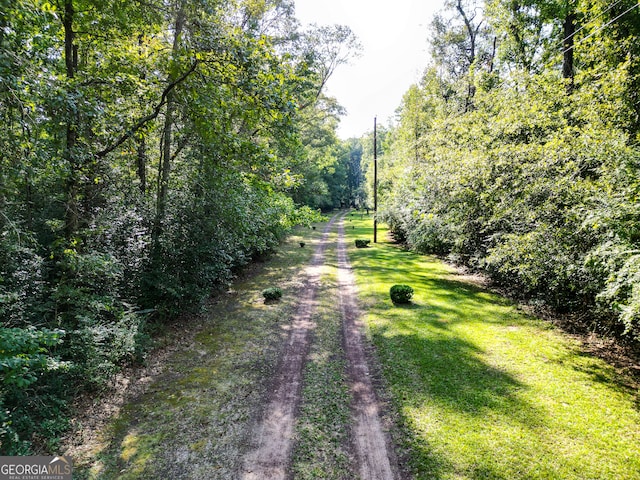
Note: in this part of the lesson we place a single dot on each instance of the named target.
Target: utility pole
(375, 182)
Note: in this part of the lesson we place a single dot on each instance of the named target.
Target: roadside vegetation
(484, 390)
(149, 150)
(194, 419)
(517, 153)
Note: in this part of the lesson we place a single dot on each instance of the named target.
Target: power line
(589, 21)
(599, 29)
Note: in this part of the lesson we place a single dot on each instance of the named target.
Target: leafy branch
(151, 116)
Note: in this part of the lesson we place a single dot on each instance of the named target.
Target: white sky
(395, 53)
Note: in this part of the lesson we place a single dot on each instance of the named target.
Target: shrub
(26, 400)
(362, 243)
(401, 293)
(272, 293)
(302, 244)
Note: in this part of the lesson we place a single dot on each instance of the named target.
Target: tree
(148, 151)
(461, 47)
(534, 184)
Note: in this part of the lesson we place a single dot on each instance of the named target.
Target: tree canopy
(148, 150)
(517, 154)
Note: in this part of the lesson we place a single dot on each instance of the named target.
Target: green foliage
(26, 357)
(272, 293)
(304, 215)
(142, 167)
(104, 330)
(621, 292)
(511, 168)
(331, 175)
(25, 354)
(401, 294)
(362, 243)
(21, 278)
(485, 390)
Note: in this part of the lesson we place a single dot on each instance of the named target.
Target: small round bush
(302, 244)
(360, 243)
(401, 293)
(272, 293)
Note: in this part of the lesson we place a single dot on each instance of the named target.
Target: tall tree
(166, 139)
(534, 183)
(101, 100)
(462, 47)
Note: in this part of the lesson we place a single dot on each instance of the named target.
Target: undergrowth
(194, 420)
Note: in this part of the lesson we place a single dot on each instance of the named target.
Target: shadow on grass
(433, 367)
(433, 370)
(482, 389)
(448, 371)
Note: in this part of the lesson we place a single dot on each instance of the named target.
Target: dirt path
(370, 443)
(271, 449)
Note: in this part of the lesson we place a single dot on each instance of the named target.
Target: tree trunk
(493, 54)
(70, 58)
(3, 24)
(164, 166)
(569, 29)
(3, 201)
(471, 55)
(141, 139)
(141, 163)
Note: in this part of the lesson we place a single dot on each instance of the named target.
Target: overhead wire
(598, 29)
(589, 21)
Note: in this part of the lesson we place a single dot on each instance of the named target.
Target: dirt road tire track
(272, 444)
(270, 451)
(372, 453)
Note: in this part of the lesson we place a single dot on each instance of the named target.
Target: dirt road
(273, 439)
(271, 451)
(370, 443)
(230, 396)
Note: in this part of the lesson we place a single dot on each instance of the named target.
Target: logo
(36, 468)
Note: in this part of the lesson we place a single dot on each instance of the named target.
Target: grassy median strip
(321, 447)
(483, 390)
(195, 419)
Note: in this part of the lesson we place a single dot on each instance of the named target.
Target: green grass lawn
(483, 390)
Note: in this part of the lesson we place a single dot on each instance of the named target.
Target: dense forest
(518, 153)
(148, 150)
